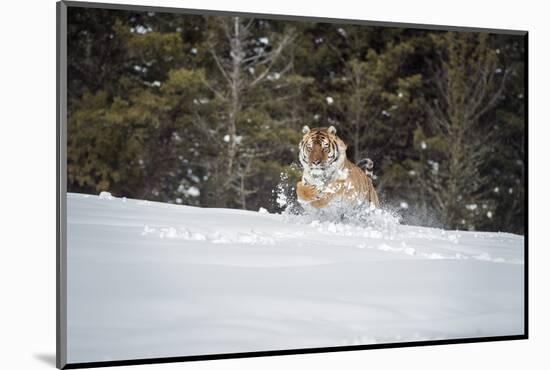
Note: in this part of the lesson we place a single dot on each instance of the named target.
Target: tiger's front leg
(306, 193)
(328, 195)
(318, 199)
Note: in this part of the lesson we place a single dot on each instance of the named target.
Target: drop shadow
(47, 358)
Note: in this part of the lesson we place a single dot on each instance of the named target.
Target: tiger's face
(321, 149)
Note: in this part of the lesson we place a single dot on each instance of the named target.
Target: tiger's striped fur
(328, 175)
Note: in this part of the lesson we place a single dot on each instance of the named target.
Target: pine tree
(468, 84)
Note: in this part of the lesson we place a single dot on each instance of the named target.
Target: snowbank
(149, 279)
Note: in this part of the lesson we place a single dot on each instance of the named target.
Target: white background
(27, 183)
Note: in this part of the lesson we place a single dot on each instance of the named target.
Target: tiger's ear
(305, 129)
(331, 130)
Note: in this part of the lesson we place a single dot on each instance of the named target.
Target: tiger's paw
(306, 193)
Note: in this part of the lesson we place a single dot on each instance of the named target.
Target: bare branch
(218, 94)
(246, 28)
(492, 102)
(220, 67)
(272, 59)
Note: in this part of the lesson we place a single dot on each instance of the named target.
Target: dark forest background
(208, 110)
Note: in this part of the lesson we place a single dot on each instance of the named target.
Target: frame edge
(61, 184)
(289, 17)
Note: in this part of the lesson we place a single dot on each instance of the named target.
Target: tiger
(328, 176)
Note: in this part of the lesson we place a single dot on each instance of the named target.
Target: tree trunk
(237, 55)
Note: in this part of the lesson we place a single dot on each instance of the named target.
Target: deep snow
(149, 280)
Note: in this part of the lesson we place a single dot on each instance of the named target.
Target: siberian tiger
(329, 177)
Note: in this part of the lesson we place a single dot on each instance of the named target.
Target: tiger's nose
(316, 162)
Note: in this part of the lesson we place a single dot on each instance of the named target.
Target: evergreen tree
(458, 138)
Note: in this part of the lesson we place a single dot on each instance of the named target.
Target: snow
(273, 76)
(105, 195)
(433, 164)
(342, 32)
(141, 29)
(203, 100)
(237, 138)
(192, 191)
(177, 137)
(148, 279)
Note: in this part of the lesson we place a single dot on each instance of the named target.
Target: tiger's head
(321, 150)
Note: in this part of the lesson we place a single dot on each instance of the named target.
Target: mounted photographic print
(236, 185)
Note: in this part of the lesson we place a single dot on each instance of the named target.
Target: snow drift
(149, 280)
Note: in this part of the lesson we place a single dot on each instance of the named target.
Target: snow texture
(148, 280)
